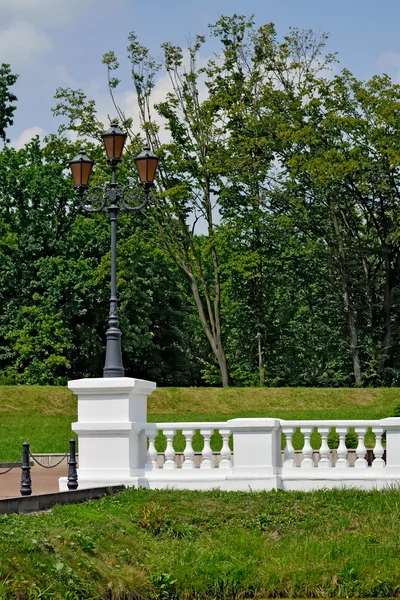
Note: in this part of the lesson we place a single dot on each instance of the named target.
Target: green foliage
(293, 177)
(55, 281)
(339, 543)
(7, 99)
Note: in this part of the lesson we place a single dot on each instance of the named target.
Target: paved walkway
(44, 481)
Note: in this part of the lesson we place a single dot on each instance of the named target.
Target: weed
(153, 518)
(163, 586)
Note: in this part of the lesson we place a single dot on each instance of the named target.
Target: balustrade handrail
(189, 425)
(233, 424)
(331, 423)
(283, 422)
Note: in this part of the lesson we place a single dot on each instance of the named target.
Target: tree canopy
(270, 253)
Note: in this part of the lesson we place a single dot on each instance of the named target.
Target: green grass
(154, 545)
(43, 415)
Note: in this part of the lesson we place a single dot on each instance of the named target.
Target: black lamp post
(112, 198)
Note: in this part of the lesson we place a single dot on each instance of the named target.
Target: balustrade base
(306, 480)
(86, 483)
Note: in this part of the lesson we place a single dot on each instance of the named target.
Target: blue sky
(53, 43)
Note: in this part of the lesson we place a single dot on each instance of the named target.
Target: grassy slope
(144, 544)
(43, 415)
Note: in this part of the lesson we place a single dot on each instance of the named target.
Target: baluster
(378, 462)
(151, 452)
(307, 461)
(342, 461)
(289, 450)
(169, 451)
(324, 452)
(188, 452)
(206, 463)
(225, 462)
(361, 463)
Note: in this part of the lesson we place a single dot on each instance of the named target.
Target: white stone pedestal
(112, 415)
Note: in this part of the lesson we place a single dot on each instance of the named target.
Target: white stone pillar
(256, 451)
(392, 428)
(112, 444)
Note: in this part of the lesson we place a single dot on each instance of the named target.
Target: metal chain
(12, 466)
(48, 466)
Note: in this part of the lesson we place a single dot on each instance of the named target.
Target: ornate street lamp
(113, 198)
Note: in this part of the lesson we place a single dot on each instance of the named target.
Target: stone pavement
(44, 481)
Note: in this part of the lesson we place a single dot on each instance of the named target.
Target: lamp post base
(113, 372)
(113, 366)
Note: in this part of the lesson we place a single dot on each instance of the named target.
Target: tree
(348, 156)
(7, 99)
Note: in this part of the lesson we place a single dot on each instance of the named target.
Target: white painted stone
(256, 445)
(324, 452)
(307, 462)
(188, 453)
(113, 430)
(392, 428)
(112, 415)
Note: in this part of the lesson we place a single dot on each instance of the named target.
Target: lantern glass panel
(142, 169)
(119, 142)
(76, 173)
(85, 172)
(109, 145)
(151, 169)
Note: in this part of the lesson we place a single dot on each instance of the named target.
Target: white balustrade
(117, 446)
(289, 462)
(225, 462)
(378, 462)
(188, 430)
(324, 451)
(206, 463)
(188, 452)
(326, 455)
(361, 450)
(151, 452)
(342, 462)
(307, 461)
(251, 448)
(169, 451)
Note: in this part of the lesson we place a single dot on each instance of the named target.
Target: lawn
(43, 415)
(156, 545)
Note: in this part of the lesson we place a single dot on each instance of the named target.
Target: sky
(60, 43)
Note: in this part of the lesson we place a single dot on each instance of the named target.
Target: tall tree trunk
(391, 277)
(261, 360)
(387, 325)
(213, 333)
(341, 259)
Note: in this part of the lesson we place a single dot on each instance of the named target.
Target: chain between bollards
(13, 466)
(26, 482)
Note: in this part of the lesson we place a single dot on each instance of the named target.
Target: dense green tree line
(290, 167)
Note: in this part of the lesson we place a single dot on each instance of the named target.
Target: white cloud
(26, 136)
(389, 61)
(21, 43)
(128, 103)
(54, 13)
(128, 100)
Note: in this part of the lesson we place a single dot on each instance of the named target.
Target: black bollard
(26, 483)
(72, 472)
